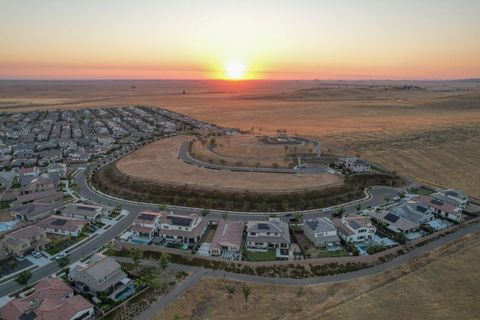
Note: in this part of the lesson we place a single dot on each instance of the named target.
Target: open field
(248, 150)
(419, 290)
(158, 162)
(447, 157)
(330, 107)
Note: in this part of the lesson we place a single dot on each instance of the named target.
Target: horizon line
(234, 81)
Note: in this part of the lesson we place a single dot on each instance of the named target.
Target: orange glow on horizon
(272, 40)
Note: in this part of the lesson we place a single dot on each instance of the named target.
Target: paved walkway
(156, 307)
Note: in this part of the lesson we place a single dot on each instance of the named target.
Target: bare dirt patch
(158, 162)
(248, 150)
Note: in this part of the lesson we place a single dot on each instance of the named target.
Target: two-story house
(355, 228)
(181, 228)
(321, 231)
(100, 273)
(146, 225)
(272, 234)
(21, 242)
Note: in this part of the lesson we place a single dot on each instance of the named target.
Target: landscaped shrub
(109, 180)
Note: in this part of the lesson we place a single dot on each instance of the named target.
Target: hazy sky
(282, 39)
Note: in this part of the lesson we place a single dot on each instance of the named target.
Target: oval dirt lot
(158, 162)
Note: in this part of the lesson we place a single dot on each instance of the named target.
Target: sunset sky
(263, 39)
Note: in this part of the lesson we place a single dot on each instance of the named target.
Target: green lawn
(331, 254)
(58, 245)
(422, 191)
(269, 255)
(5, 204)
(114, 214)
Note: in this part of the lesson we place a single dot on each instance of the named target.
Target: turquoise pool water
(5, 226)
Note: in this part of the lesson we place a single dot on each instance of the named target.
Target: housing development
(79, 237)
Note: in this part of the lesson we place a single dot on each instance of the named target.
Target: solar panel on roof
(391, 217)
(437, 202)
(86, 208)
(263, 226)
(28, 316)
(59, 222)
(144, 216)
(181, 221)
(421, 209)
(452, 193)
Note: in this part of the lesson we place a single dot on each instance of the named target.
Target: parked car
(61, 255)
(37, 254)
(326, 210)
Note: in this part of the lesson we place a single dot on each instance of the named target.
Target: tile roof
(50, 300)
(228, 233)
(62, 223)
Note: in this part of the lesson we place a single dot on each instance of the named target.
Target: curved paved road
(376, 196)
(184, 155)
(84, 250)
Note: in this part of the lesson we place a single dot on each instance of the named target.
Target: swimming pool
(8, 225)
(125, 293)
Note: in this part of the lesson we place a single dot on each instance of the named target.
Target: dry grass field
(447, 156)
(443, 285)
(339, 113)
(248, 150)
(158, 162)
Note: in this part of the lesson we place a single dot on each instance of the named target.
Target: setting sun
(235, 70)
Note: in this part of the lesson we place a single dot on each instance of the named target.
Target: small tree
(231, 291)
(205, 212)
(246, 293)
(23, 277)
(358, 207)
(339, 213)
(298, 217)
(224, 215)
(400, 238)
(136, 255)
(162, 207)
(163, 262)
(63, 262)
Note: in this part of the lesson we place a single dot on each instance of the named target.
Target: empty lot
(158, 162)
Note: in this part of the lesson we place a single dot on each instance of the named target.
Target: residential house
(395, 222)
(39, 184)
(84, 211)
(100, 274)
(443, 209)
(51, 298)
(227, 238)
(57, 169)
(272, 234)
(181, 228)
(455, 197)
(415, 212)
(354, 164)
(321, 232)
(26, 175)
(37, 205)
(21, 242)
(145, 225)
(355, 228)
(50, 156)
(65, 226)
